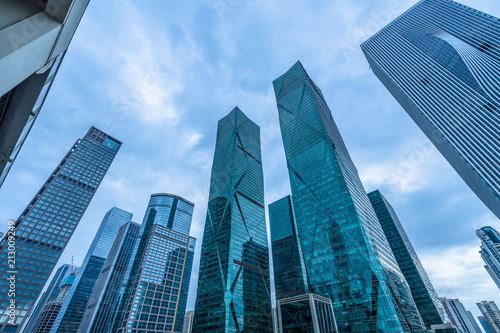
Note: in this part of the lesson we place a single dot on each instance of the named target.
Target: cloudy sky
(158, 75)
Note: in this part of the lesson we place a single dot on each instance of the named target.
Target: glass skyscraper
(46, 225)
(484, 323)
(49, 295)
(346, 253)
(234, 283)
(424, 294)
(290, 277)
(103, 302)
(440, 60)
(490, 252)
(69, 318)
(154, 296)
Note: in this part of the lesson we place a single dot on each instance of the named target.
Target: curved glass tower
(441, 60)
(346, 253)
(233, 286)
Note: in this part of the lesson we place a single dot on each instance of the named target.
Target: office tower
(50, 294)
(154, 294)
(440, 61)
(74, 306)
(233, 284)
(35, 36)
(103, 301)
(458, 315)
(473, 321)
(188, 322)
(484, 323)
(306, 313)
(424, 294)
(490, 312)
(46, 225)
(290, 277)
(51, 310)
(490, 252)
(346, 253)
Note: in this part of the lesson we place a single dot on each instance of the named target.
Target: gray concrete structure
(34, 36)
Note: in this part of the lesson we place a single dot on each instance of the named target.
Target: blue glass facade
(46, 225)
(346, 253)
(440, 61)
(233, 285)
(49, 295)
(424, 294)
(71, 314)
(153, 293)
(103, 302)
(485, 324)
(290, 277)
(490, 252)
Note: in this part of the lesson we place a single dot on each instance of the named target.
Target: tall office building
(458, 315)
(290, 277)
(103, 301)
(50, 311)
(71, 314)
(490, 311)
(49, 295)
(473, 321)
(484, 323)
(425, 296)
(346, 253)
(34, 36)
(440, 60)
(154, 295)
(490, 252)
(188, 322)
(233, 283)
(46, 225)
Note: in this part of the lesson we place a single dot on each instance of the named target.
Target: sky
(158, 75)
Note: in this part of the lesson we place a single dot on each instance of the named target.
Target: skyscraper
(290, 277)
(50, 311)
(485, 324)
(103, 301)
(49, 295)
(425, 296)
(46, 225)
(440, 61)
(458, 315)
(35, 36)
(490, 311)
(153, 297)
(346, 253)
(71, 314)
(233, 283)
(490, 252)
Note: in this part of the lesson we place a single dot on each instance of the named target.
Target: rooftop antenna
(73, 270)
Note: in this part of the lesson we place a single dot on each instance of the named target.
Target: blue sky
(158, 75)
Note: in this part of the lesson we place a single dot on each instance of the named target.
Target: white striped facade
(441, 61)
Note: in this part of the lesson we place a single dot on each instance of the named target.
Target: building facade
(34, 37)
(103, 301)
(153, 298)
(440, 61)
(346, 253)
(73, 309)
(46, 225)
(490, 251)
(490, 312)
(51, 310)
(425, 296)
(49, 295)
(290, 277)
(458, 315)
(234, 284)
